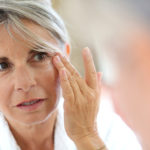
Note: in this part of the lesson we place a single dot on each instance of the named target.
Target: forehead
(7, 42)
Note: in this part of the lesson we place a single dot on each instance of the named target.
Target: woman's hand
(82, 96)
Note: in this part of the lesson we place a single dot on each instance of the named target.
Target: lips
(31, 105)
(30, 102)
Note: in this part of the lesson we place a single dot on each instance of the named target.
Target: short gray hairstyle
(39, 12)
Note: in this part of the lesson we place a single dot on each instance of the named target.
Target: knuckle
(75, 74)
(93, 72)
(64, 80)
(72, 79)
(60, 66)
(66, 63)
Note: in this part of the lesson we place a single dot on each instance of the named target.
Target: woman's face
(25, 75)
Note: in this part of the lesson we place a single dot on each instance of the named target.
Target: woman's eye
(3, 66)
(40, 56)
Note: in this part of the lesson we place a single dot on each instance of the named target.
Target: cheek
(48, 78)
(49, 81)
(5, 92)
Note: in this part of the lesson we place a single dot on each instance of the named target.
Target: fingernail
(87, 50)
(65, 58)
(57, 59)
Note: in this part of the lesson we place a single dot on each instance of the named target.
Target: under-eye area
(36, 57)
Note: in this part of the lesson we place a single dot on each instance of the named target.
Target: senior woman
(33, 70)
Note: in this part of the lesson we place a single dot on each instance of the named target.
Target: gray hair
(39, 12)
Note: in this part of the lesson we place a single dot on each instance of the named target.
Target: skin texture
(130, 92)
(87, 92)
(30, 76)
(82, 99)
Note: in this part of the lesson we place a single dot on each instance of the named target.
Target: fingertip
(86, 50)
(57, 59)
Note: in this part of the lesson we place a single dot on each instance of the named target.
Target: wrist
(90, 142)
(84, 133)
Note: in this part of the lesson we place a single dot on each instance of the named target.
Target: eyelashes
(4, 66)
(39, 57)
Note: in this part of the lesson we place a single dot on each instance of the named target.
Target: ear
(67, 50)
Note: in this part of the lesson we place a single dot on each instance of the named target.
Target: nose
(24, 79)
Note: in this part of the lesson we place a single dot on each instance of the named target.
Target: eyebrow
(32, 51)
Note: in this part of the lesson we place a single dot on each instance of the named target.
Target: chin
(37, 118)
(31, 118)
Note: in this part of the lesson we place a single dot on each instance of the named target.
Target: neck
(35, 136)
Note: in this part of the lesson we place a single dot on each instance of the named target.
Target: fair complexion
(25, 75)
(82, 98)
